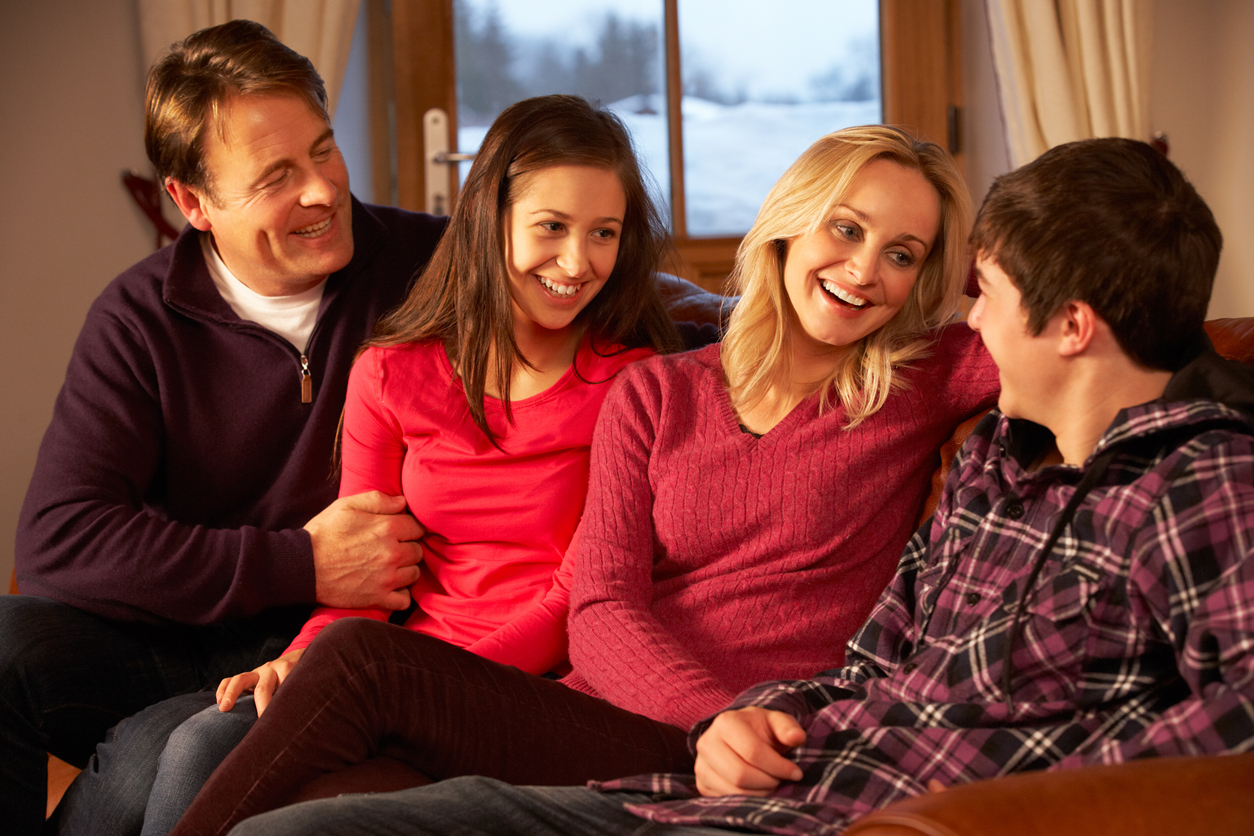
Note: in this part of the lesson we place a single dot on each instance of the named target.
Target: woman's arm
(616, 643)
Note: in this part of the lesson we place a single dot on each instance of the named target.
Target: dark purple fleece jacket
(180, 462)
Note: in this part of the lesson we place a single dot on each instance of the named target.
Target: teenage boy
(1081, 595)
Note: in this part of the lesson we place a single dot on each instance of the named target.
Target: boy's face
(1024, 362)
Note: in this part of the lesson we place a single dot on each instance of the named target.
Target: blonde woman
(749, 501)
(747, 505)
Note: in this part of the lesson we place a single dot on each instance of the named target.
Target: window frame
(414, 70)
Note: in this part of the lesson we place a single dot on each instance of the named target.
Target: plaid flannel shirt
(1134, 641)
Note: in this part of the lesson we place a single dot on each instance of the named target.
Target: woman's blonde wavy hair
(755, 349)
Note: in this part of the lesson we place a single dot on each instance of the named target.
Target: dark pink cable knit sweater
(708, 560)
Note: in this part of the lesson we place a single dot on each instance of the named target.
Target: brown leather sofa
(1192, 796)
(1169, 797)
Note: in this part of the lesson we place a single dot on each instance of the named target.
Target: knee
(326, 816)
(351, 633)
(116, 786)
(360, 653)
(207, 737)
(23, 619)
(350, 643)
(142, 737)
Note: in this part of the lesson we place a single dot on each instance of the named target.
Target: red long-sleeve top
(498, 520)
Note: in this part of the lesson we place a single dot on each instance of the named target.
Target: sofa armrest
(1233, 338)
(947, 452)
(686, 302)
(1183, 796)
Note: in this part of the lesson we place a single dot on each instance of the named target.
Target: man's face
(1024, 362)
(279, 208)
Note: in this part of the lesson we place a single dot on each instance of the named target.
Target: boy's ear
(1078, 324)
(190, 203)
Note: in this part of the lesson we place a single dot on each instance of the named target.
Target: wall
(71, 120)
(982, 133)
(1202, 97)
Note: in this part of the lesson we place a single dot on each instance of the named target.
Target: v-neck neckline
(784, 428)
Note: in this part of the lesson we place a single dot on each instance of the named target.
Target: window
(720, 95)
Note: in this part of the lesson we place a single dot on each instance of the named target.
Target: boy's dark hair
(187, 89)
(1110, 222)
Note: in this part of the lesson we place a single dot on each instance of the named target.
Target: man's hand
(262, 681)
(739, 754)
(366, 552)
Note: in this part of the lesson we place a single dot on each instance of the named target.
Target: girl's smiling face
(853, 274)
(561, 241)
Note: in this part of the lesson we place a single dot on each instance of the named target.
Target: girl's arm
(535, 639)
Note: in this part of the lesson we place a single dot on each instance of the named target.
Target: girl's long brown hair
(462, 296)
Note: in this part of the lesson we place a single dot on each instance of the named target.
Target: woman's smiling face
(853, 274)
(561, 242)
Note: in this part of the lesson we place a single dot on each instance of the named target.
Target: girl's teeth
(559, 289)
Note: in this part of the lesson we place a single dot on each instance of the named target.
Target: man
(182, 517)
(1080, 595)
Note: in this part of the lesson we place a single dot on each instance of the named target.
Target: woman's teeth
(566, 290)
(843, 295)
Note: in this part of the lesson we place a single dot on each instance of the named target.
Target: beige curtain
(1070, 69)
(321, 30)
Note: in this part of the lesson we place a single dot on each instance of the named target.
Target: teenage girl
(476, 400)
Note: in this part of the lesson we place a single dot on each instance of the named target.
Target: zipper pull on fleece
(306, 381)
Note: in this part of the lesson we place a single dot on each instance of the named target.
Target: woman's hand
(262, 681)
(740, 753)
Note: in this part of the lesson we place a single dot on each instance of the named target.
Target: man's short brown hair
(188, 88)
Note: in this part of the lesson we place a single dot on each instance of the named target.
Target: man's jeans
(67, 677)
(467, 807)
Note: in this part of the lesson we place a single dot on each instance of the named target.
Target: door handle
(440, 164)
